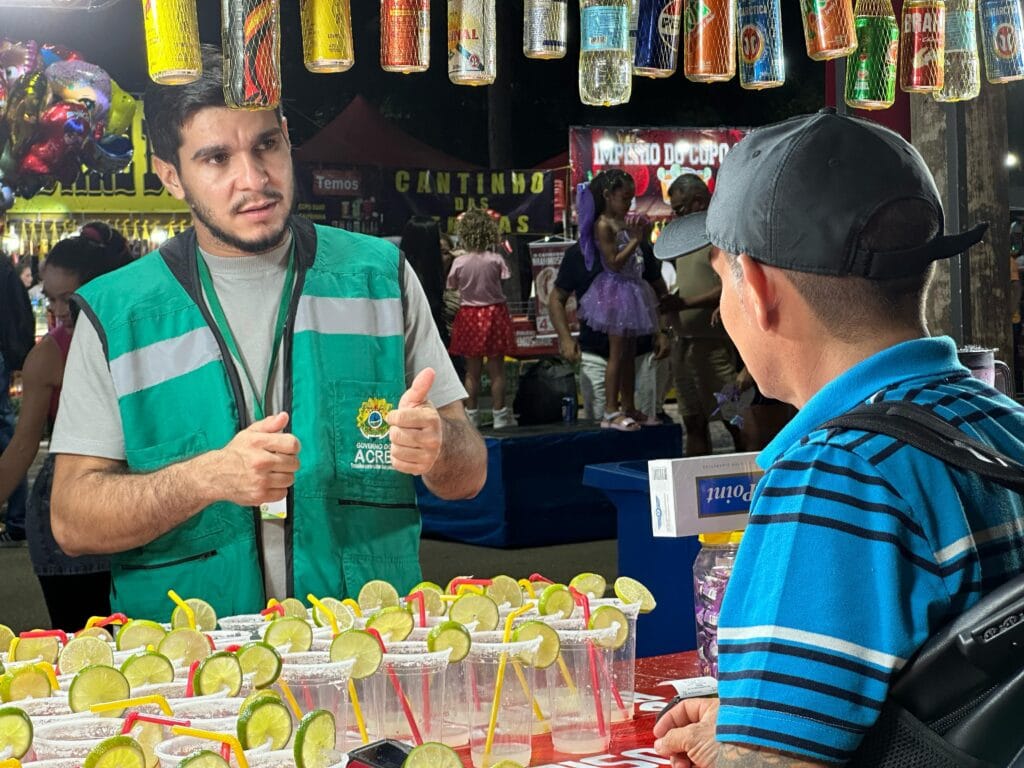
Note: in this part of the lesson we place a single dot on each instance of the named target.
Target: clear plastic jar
(711, 572)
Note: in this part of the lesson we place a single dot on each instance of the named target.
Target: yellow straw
(327, 612)
(47, 669)
(537, 711)
(92, 621)
(10, 762)
(290, 698)
(528, 586)
(358, 711)
(477, 589)
(157, 699)
(223, 738)
(565, 674)
(502, 663)
(189, 613)
(353, 605)
(13, 648)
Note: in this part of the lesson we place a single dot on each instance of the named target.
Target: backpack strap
(919, 427)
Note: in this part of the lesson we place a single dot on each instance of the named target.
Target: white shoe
(503, 418)
(473, 415)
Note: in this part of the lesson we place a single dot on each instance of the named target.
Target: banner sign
(523, 199)
(654, 157)
(545, 259)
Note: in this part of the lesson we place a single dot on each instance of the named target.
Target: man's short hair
(169, 107)
(691, 186)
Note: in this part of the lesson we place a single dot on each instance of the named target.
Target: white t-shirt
(249, 289)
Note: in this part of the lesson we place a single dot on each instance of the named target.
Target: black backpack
(17, 323)
(959, 702)
(542, 385)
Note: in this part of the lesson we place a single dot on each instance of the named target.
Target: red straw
(277, 608)
(58, 633)
(538, 577)
(134, 717)
(114, 618)
(225, 752)
(456, 583)
(234, 648)
(406, 709)
(584, 602)
(190, 689)
(421, 600)
(473, 685)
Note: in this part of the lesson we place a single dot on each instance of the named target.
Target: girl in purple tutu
(619, 302)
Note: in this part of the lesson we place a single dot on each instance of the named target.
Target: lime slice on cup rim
(139, 633)
(219, 672)
(377, 594)
(205, 615)
(472, 607)
(98, 684)
(116, 752)
(556, 598)
(360, 645)
(82, 652)
(25, 683)
(606, 616)
(450, 634)
(204, 758)
(185, 646)
(261, 660)
(147, 668)
(631, 591)
(15, 732)
(432, 755)
(593, 585)
(291, 633)
(315, 740)
(394, 624)
(505, 590)
(264, 719)
(550, 644)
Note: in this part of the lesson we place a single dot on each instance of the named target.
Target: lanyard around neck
(259, 404)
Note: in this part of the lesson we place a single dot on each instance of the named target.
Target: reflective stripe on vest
(162, 361)
(358, 317)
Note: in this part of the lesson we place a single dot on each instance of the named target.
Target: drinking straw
(190, 688)
(134, 717)
(139, 701)
(456, 583)
(289, 697)
(10, 762)
(584, 602)
(327, 612)
(223, 738)
(59, 634)
(538, 577)
(225, 752)
(509, 620)
(47, 669)
(421, 601)
(397, 685)
(103, 621)
(500, 681)
(358, 711)
(528, 586)
(354, 606)
(189, 613)
(272, 607)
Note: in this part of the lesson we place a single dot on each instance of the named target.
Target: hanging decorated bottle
(405, 35)
(545, 29)
(251, 36)
(923, 46)
(656, 52)
(759, 44)
(472, 48)
(326, 35)
(634, 23)
(1002, 30)
(172, 41)
(871, 70)
(828, 28)
(962, 78)
(606, 66)
(709, 40)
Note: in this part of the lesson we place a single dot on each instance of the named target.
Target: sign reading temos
(347, 183)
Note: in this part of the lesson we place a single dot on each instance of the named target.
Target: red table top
(631, 740)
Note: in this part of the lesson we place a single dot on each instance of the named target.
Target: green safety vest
(351, 517)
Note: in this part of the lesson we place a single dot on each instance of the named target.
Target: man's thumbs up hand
(416, 430)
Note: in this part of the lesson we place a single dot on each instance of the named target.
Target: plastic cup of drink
(244, 622)
(222, 638)
(73, 737)
(282, 758)
(65, 762)
(170, 753)
(204, 709)
(623, 660)
(580, 694)
(45, 710)
(321, 684)
(486, 674)
(420, 677)
(173, 690)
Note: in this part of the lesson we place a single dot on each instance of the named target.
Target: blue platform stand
(664, 565)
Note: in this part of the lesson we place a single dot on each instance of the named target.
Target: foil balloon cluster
(58, 115)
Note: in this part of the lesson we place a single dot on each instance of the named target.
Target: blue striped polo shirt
(858, 548)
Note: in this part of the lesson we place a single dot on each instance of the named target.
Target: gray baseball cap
(797, 195)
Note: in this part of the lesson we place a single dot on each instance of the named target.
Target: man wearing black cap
(858, 547)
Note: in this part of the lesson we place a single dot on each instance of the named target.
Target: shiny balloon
(122, 110)
(51, 54)
(26, 101)
(19, 59)
(62, 131)
(110, 154)
(83, 82)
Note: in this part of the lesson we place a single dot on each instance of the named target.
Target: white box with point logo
(705, 494)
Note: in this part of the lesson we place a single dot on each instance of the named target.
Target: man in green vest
(244, 409)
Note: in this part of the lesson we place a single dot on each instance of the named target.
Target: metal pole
(840, 78)
(956, 222)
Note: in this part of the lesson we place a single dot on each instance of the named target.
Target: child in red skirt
(483, 326)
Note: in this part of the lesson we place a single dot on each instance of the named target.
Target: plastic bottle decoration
(761, 62)
(251, 36)
(545, 29)
(828, 28)
(606, 65)
(656, 51)
(922, 57)
(962, 78)
(405, 35)
(172, 41)
(871, 71)
(709, 40)
(326, 35)
(1001, 32)
(472, 46)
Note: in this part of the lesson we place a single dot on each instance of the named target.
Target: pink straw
(406, 709)
(58, 633)
(456, 583)
(421, 601)
(584, 602)
(134, 717)
(190, 690)
(114, 618)
(277, 608)
(538, 577)
(225, 751)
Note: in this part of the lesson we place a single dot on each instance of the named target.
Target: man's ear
(760, 290)
(169, 177)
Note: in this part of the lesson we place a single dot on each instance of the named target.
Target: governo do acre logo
(372, 417)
